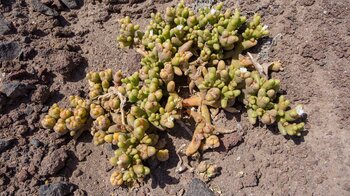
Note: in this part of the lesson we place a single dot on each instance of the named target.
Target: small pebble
(36, 143)
(77, 173)
(251, 157)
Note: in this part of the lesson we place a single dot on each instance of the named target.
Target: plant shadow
(160, 174)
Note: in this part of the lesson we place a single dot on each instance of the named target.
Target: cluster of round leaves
(204, 51)
(64, 120)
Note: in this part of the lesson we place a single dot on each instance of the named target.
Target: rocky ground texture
(47, 47)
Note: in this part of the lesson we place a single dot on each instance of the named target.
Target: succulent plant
(201, 52)
(206, 170)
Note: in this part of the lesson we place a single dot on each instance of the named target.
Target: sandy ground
(310, 37)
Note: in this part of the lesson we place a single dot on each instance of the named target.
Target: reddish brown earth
(311, 38)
